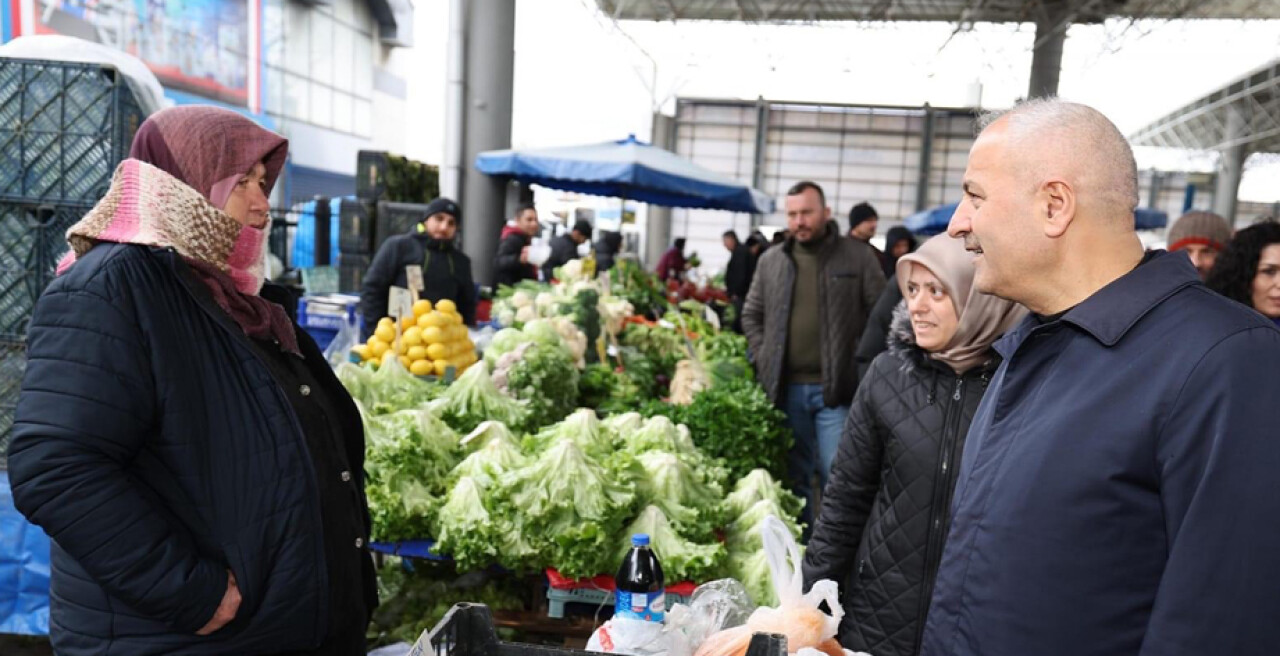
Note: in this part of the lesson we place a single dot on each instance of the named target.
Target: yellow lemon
(434, 335)
(400, 347)
(386, 333)
(408, 322)
(470, 358)
(446, 305)
(437, 319)
(404, 360)
(424, 321)
(460, 333)
(377, 347)
(422, 368)
(361, 351)
(412, 336)
(440, 366)
(455, 318)
(438, 351)
(416, 353)
(387, 321)
(421, 307)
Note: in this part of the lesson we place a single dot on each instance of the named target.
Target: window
(319, 64)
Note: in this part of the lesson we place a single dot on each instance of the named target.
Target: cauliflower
(521, 299)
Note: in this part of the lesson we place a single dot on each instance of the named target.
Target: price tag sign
(400, 303)
(413, 275)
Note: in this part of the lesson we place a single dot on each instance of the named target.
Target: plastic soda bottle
(640, 592)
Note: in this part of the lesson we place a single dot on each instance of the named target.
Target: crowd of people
(1029, 435)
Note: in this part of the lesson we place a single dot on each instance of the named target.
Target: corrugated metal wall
(857, 153)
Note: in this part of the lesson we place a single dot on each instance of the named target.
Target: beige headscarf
(983, 318)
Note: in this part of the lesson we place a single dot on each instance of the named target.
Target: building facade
(327, 74)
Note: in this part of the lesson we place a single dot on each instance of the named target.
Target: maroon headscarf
(210, 149)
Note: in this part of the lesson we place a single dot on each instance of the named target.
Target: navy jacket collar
(1113, 310)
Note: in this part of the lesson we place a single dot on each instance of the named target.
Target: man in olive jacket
(807, 307)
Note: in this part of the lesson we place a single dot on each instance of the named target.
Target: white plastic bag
(714, 607)
(629, 637)
(797, 616)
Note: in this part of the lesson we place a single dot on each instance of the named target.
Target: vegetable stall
(598, 409)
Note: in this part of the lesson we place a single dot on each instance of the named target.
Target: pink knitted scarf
(147, 206)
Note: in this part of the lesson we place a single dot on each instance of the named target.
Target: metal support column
(452, 172)
(1046, 57)
(762, 143)
(490, 29)
(1230, 167)
(658, 226)
(926, 160)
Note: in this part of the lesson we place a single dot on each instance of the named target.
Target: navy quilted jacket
(157, 452)
(885, 510)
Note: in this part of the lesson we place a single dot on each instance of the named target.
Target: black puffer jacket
(157, 451)
(885, 510)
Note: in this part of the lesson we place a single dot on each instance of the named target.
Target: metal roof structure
(1244, 113)
(953, 11)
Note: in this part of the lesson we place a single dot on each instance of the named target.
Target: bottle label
(647, 606)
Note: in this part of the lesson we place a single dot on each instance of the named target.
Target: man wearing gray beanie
(1202, 235)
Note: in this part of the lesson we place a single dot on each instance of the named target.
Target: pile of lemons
(431, 341)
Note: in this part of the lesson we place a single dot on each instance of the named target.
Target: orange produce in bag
(797, 616)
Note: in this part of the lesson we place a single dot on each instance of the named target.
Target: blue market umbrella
(626, 169)
(934, 221)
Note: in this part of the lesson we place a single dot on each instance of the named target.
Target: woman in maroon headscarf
(196, 463)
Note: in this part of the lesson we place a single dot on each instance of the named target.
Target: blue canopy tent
(934, 221)
(626, 169)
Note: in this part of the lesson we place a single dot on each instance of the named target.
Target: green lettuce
(583, 428)
(570, 507)
(407, 460)
(473, 399)
(685, 494)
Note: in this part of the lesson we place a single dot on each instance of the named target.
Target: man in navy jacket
(1117, 494)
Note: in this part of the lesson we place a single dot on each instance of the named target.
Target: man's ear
(1059, 202)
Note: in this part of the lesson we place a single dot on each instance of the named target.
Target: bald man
(1118, 491)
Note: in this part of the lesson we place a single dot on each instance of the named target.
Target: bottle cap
(640, 540)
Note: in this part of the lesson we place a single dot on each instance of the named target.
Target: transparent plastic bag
(797, 616)
(339, 350)
(714, 606)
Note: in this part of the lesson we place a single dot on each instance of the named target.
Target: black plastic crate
(32, 240)
(371, 175)
(13, 362)
(64, 127)
(355, 229)
(351, 269)
(467, 630)
(396, 219)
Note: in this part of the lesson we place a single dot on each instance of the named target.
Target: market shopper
(672, 265)
(863, 221)
(431, 245)
(1201, 235)
(807, 306)
(511, 264)
(737, 274)
(1248, 269)
(565, 248)
(607, 248)
(897, 242)
(196, 463)
(885, 509)
(1116, 495)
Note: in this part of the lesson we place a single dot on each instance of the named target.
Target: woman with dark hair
(1248, 269)
(197, 464)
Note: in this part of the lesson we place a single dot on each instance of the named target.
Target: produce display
(598, 410)
(429, 342)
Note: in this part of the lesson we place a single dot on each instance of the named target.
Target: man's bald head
(1055, 138)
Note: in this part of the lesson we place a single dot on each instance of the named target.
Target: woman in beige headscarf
(885, 510)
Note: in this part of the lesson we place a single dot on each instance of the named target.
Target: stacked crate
(64, 127)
